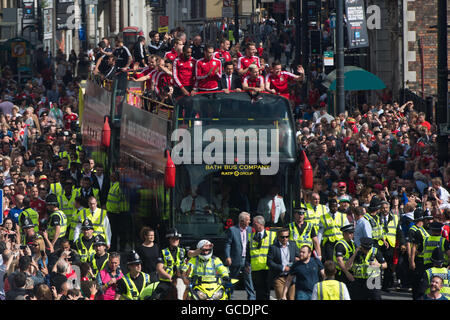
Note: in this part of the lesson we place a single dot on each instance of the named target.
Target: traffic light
(315, 40)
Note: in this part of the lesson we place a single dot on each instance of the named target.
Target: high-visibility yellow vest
(391, 233)
(424, 233)
(97, 220)
(93, 262)
(148, 291)
(377, 231)
(313, 216)
(51, 230)
(332, 226)
(258, 254)
(67, 206)
(56, 188)
(116, 201)
(170, 262)
(31, 214)
(444, 274)
(132, 291)
(303, 239)
(211, 268)
(83, 251)
(429, 244)
(330, 290)
(95, 192)
(363, 270)
(349, 250)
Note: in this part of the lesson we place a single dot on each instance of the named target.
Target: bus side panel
(143, 139)
(97, 105)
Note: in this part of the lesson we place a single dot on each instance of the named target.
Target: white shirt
(186, 203)
(265, 207)
(100, 180)
(315, 297)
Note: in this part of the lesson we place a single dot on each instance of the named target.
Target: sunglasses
(283, 237)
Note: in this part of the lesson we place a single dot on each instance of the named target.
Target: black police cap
(348, 228)
(366, 242)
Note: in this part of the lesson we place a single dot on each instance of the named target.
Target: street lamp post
(442, 90)
(340, 93)
(236, 21)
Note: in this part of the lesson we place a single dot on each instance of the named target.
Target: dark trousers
(388, 278)
(417, 275)
(178, 93)
(403, 272)
(261, 283)
(327, 250)
(120, 228)
(235, 270)
(359, 291)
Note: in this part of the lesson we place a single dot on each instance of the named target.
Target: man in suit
(235, 250)
(101, 182)
(281, 256)
(230, 80)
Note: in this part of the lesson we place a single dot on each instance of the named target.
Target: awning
(356, 79)
(7, 44)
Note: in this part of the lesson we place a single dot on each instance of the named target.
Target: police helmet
(173, 233)
(133, 258)
(99, 241)
(27, 223)
(52, 199)
(87, 224)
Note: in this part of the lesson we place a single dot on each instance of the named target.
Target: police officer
(392, 234)
(330, 289)
(366, 267)
(98, 218)
(303, 232)
(170, 263)
(437, 269)
(99, 259)
(85, 243)
(66, 202)
(132, 285)
(205, 264)
(435, 240)
(29, 213)
(315, 210)
(372, 217)
(57, 221)
(28, 228)
(330, 228)
(417, 234)
(343, 251)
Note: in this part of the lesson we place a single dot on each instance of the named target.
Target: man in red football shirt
(183, 73)
(208, 71)
(38, 204)
(247, 60)
(254, 83)
(164, 80)
(222, 53)
(69, 118)
(277, 81)
(147, 73)
(176, 50)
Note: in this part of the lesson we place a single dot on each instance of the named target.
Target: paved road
(242, 295)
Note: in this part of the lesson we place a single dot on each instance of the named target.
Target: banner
(143, 137)
(356, 24)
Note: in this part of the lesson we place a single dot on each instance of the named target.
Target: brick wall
(425, 16)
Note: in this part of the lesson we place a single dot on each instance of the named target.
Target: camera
(22, 247)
